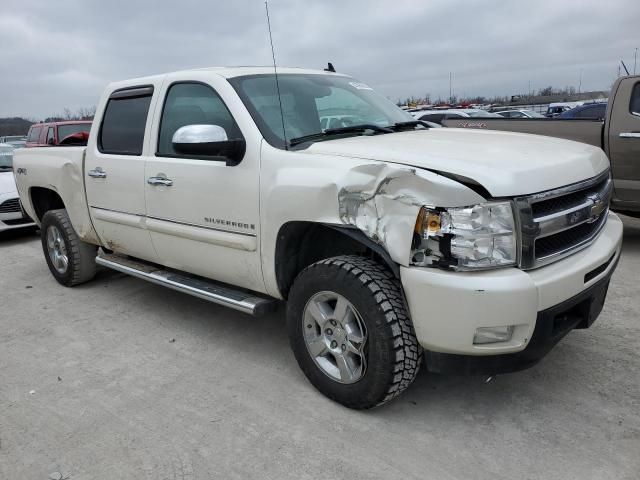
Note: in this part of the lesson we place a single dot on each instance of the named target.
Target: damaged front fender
(383, 200)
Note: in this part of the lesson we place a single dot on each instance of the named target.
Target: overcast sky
(61, 53)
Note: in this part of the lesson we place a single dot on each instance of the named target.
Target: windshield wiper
(4, 167)
(409, 124)
(338, 131)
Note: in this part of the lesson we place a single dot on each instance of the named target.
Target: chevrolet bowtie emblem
(599, 206)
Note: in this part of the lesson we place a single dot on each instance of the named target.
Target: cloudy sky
(61, 53)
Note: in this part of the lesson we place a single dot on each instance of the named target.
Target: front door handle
(167, 182)
(97, 173)
(630, 135)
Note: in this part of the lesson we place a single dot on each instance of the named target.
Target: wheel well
(300, 244)
(43, 200)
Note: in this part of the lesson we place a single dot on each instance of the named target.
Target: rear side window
(34, 134)
(634, 106)
(436, 118)
(66, 130)
(125, 118)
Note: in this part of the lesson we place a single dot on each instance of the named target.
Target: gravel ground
(121, 379)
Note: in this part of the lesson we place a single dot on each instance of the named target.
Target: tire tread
(387, 292)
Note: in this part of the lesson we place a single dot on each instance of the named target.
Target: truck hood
(506, 164)
(7, 183)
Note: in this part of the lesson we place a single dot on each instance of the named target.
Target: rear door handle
(167, 182)
(630, 135)
(97, 173)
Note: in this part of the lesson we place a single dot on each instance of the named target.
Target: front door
(114, 173)
(624, 141)
(203, 215)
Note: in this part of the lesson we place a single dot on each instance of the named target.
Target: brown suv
(58, 133)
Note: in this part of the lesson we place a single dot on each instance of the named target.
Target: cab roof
(226, 72)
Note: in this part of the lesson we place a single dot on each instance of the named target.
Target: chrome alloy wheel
(335, 335)
(57, 250)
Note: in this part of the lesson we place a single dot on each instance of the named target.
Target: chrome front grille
(10, 206)
(557, 223)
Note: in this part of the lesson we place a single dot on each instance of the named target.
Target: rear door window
(125, 118)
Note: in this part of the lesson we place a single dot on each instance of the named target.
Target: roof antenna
(275, 71)
(330, 68)
(625, 67)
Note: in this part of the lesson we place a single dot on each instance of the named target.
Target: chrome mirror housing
(190, 134)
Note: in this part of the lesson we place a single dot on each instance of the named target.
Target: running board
(244, 301)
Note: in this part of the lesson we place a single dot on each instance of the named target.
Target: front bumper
(448, 307)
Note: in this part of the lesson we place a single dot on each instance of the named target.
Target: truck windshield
(66, 130)
(313, 104)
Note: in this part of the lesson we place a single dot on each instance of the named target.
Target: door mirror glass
(207, 141)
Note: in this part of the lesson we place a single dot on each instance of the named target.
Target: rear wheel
(71, 261)
(350, 331)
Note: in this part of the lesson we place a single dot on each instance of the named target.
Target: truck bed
(585, 131)
(60, 169)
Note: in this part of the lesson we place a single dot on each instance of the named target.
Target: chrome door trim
(247, 234)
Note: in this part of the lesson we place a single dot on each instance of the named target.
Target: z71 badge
(21, 171)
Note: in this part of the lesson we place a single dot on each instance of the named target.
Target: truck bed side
(585, 131)
(60, 170)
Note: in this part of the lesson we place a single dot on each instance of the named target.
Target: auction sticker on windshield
(360, 86)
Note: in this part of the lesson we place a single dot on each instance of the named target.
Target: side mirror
(208, 141)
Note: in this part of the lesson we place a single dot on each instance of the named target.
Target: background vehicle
(391, 242)
(555, 109)
(437, 116)
(16, 141)
(519, 114)
(11, 214)
(596, 111)
(58, 133)
(618, 136)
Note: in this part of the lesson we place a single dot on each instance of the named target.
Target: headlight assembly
(469, 238)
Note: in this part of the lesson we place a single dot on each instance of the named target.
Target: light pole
(580, 83)
(635, 60)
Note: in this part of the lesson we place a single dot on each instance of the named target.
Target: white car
(519, 114)
(11, 214)
(394, 245)
(437, 116)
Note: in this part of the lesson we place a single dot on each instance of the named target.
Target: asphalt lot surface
(122, 379)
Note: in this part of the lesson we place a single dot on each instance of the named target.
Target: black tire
(393, 355)
(81, 264)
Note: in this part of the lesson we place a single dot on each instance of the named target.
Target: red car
(58, 133)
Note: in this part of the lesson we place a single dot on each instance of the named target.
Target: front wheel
(350, 331)
(71, 261)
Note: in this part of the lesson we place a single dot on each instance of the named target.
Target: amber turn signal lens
(420, 221)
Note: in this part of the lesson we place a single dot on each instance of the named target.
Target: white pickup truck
(393, 244)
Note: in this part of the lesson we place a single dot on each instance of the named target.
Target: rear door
(204, 215)
(114, 171)
(624, 140)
